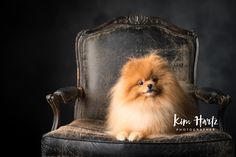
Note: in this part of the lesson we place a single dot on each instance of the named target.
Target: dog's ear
(152, 56)
(130, 58)
(130, 63)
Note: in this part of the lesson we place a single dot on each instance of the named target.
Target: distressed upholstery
(100, 53)
(87, 138)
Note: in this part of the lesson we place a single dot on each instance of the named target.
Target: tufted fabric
(102, 51)
(85, 138)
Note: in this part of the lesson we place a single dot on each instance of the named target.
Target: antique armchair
(100, 53)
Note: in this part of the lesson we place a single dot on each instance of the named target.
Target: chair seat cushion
(87, 138)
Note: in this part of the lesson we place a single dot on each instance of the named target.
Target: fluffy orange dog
(145, 99)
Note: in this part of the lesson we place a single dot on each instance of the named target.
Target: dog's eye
(155, 80)
(140, 82)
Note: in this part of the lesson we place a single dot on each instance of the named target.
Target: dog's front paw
(122, 136)
(135, 136)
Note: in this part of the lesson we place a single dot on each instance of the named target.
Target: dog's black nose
(149, 86)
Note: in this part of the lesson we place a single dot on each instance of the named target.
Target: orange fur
(135, 112)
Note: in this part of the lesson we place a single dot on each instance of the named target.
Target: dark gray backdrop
(39, 55)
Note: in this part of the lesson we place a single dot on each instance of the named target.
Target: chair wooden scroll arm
(213, 96)
(62, 95)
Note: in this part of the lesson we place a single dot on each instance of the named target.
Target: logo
(198, 123)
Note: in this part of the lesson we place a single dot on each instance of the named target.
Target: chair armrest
(62, 95)
(213, 96)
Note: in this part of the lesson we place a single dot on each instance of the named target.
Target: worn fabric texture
(88, 138)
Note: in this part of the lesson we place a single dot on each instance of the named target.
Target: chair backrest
(101, 52)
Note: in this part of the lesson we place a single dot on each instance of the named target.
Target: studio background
(39, 56)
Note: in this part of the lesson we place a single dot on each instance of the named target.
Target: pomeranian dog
(144, 100)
